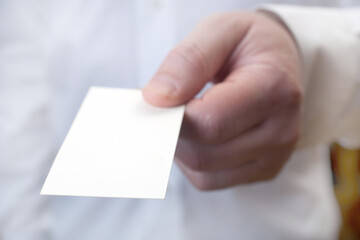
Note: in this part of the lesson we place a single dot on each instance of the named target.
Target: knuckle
(211, 128)
(289, 91)
(286, 87)
(198, 162)
(289, 137)
(191, 54)
(292, 95)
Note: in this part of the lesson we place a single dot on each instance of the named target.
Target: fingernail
(164, 86)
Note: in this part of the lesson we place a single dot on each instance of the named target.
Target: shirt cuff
(329, 42)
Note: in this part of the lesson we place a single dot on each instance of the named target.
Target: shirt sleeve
(329, 41)
(25, 146)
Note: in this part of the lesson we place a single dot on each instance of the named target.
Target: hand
(244, 128)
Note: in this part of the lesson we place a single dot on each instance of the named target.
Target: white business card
(117, 146)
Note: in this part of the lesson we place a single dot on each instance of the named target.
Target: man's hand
(244, 128)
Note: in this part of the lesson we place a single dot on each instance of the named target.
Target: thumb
(196, 60)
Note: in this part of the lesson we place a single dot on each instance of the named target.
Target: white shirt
(51, 52)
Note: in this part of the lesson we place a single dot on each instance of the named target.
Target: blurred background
(30, 43)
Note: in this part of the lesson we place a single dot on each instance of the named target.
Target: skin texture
(244, 128)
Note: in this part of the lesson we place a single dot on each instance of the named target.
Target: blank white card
(117, 146)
